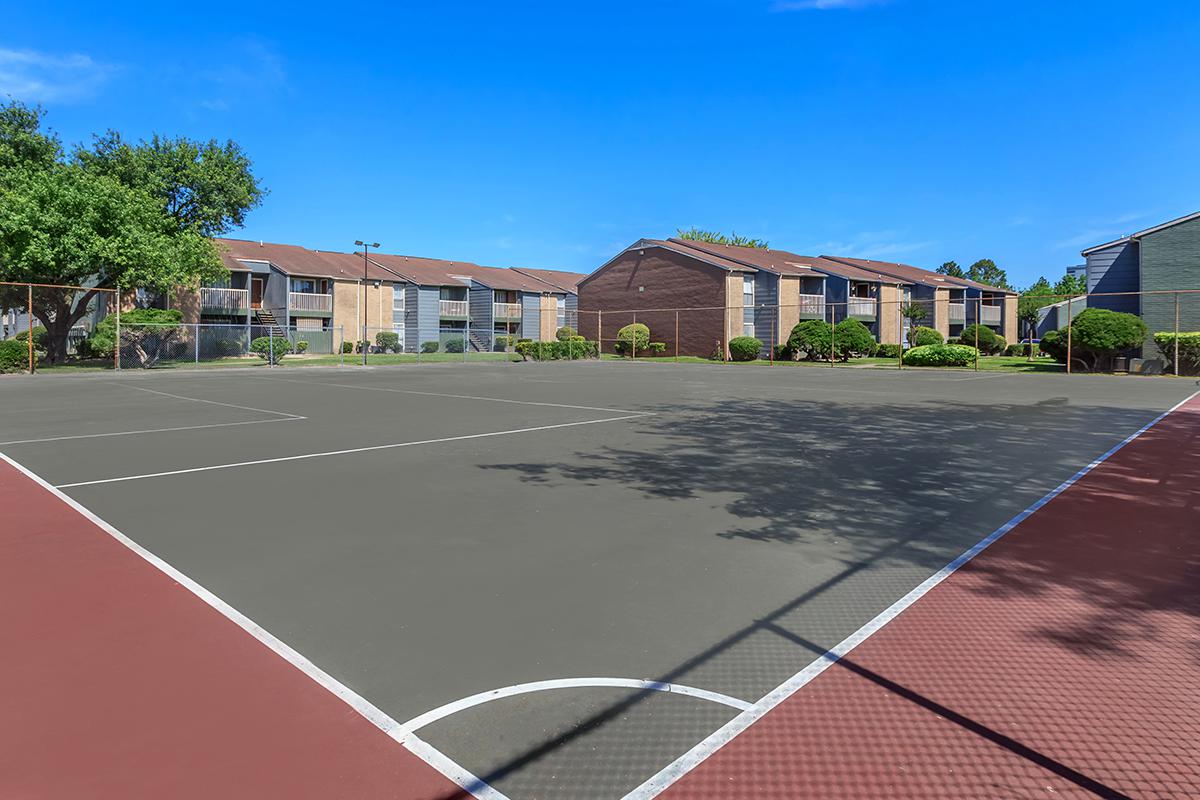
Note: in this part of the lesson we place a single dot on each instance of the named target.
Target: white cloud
(870, 244)
(822, 5)
(35, 76)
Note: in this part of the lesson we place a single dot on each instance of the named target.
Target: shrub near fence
(1189, 351)
(14, 356)
(940, 355)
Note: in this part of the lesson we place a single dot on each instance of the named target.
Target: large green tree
(985, 271)
(697, 235)
(952, 269)
(119, 215)
(1030, 303)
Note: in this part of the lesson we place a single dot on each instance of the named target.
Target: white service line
(441, 712)
(723, 735)
(457, 396)
(153, 430)
(377, 717)
(347, 452)
(211, 402)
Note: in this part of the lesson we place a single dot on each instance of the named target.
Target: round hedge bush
(922, 335)
(744, 348)
(14, 355)
(852, 338)
(990, 342)
(631, 338)
(940, 355)
(271, 349)
(565, 333)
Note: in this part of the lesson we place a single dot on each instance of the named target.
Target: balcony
(506, 310)
(308, 301)
(454, 308)
(224, 301)
(861, 307)
(812, 306)
(958, 313)
(989, 315)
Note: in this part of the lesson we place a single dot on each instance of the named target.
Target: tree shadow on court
(899, 487)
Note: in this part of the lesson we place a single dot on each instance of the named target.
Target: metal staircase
(265, 318)
(478, 343)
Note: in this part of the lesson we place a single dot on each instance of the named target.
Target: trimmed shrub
(953, 340)
(388, 340)
(940, 355)
(1054, 344)
(888, 351)
(744, 348)
(852, 338)
(1019, 349)
(453, 346)
(1098, 334)
(921, 336)
(271, 349)
(40, 337)
(228, 348)
(430, 347)
(990, 342)
(501, 342)
(656, 348)
(810, 339)
(348, 347)
(565, 333)
(14, 355)
(632, 338)
(783, 352)
(1189, 351)
(300, 347)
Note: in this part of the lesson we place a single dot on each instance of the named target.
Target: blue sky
(554, 134)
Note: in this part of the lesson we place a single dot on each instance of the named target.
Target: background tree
(697, 235)
(121, 215)
(985, 271)
(1030, 303)
(1071, 286)
(914, 313)
(952, 269)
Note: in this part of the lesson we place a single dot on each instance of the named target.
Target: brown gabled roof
(567, 281)
(295, 260)
(423, 271)
(708, 256)
(506, 279)
(918, 275)
(782, 262)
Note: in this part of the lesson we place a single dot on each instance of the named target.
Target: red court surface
(121, 683)
(1063, 661)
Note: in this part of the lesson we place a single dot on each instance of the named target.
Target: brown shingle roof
(782, 262)
(506, 279)
(567, 281)
(423, 271)
(295, 260)
(917, 274)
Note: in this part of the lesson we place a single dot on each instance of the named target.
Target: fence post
(833, 332)
(774, 325)
(342, 346)
(1069, 321)
(677, 337)
(117, 339)
(196, 337)
(599, 335)
(978, 322)
(1175, 358)
(632, 336)
(900, 337)
(270, 348)
(29, 323)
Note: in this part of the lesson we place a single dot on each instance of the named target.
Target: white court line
(346, 452)
(441, 712)
(722, 736)
(377, 717)
(211, 402)
(457, 396)
(153, 430)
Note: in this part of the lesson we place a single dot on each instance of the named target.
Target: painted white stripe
(377, 717)
(429, 717)
(457, 396)
(722, 736)
(211, 402)
(349, 451)
(154, 430)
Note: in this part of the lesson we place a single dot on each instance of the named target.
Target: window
(308, 285)
(747, 305)
(398, 300)
(560, 307)
(308, 324)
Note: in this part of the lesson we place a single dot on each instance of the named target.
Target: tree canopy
(118, 215)
(952, 269)
(698, 235)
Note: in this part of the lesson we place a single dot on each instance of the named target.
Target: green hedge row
(940, 355)
(1189, 351)
(576, 347)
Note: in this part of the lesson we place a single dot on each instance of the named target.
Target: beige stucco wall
(789, 307)
(188, 303)
(889, 314)
(733, 308)
(1009, 319)
(941, 311)
(549, 316)
(347, 309)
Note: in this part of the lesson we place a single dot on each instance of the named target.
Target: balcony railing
(812, 305)
(218, 299)
(308, 301)
(506, 310)
(989, 315)
(454, 308)
(958, 313)
(861, 307)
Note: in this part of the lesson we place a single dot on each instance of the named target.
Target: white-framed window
(747, 305)
(308, 323)
(560, 307)
(398, 329)
(308, 285)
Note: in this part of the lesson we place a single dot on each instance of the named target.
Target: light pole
(363, 343)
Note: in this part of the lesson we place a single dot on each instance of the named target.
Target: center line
(346, 452)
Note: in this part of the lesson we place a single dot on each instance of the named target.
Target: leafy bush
(953, 340)
(388, 341)
(852, 338)
(501, 342)
(990, 342)
(1189, 351)
(430, 347)
(1097, 335)
(40, 337)
(632, 338)
(1019, 349)
(227, 348)
(810, 339)
(940, 355)
(657, 348)
(1054, 344)
(300, 347)
(921, 336)
(565, 333)
(453, 346)
(271, 349)
(888, 351)
(14, 356)
(577, 347)
(140, 328)
(744, 348)
(783, 352)
(348, 347)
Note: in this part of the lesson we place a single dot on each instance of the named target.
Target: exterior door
(256, 292)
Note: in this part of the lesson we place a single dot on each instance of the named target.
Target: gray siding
(1114, 269)
(421, 316)
(531, 316)
(1170, 260)
(479, 298)
(766, 293)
